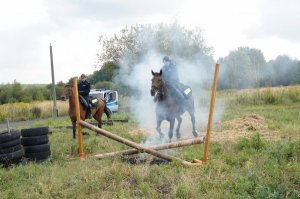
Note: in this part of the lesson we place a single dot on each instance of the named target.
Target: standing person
(84, 89)
(170, 76)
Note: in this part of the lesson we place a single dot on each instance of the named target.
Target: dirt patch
(139, 131)
(245, 126)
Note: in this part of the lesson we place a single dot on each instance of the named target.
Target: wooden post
(55, 110)
(211, 110)
(77, 108)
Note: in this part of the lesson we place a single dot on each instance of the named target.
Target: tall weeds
(278, 95)
(26, 111)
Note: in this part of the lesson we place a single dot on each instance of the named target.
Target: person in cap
(170, 76)
(84, 89)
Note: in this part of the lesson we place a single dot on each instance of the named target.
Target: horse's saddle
(185, 90)
(93, 102)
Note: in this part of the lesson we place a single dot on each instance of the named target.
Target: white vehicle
(110, 97)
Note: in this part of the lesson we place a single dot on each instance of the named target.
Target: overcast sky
(74, 26)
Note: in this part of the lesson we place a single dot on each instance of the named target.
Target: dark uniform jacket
(84, 88)
(170, 74)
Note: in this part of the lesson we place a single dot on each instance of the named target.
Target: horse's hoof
(195, 134)
(170, 140)
(178, 136)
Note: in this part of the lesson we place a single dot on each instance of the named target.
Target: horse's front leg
(172, 122)
(74, 129)
(158, 129)
(100, 123)
(179, 120)
(192, 114)
(98, 117)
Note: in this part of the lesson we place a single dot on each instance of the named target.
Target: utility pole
(55, 111)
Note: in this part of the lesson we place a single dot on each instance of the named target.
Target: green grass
(282, 118)
(248, 168)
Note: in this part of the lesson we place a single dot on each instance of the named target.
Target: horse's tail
(107, 111)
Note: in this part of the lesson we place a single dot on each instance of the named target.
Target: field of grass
(251, 167)
(28, 111)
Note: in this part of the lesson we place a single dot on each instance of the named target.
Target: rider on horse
(170, 76)
(84, 88)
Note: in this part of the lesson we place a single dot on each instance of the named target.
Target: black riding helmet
(166, 58)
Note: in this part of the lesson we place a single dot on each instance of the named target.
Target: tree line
(243, 67)
(16, 92)
(247, 68)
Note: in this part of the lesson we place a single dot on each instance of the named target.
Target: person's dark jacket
(84, 88)
(170, 74)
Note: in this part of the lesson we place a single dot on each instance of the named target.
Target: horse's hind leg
(192, 114)
(179, 120)
(98, 117)
(172, 122)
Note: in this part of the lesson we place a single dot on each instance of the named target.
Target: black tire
(34, 140)
(37, 148)
(9, 162)
(37, 131)
(42, 160)
(10, 144)
(5, 136)
(38, 156)
(12, 155)
(10, 149)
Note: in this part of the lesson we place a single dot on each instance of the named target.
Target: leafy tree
(171, 39)
(296, 72)
(242, 68)
(125, 50)
(106, 73)
(17, 92)
(59, 89)
(286, 70)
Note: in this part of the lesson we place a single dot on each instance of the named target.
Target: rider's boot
(180, 101)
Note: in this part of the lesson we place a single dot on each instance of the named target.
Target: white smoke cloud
(195, 73)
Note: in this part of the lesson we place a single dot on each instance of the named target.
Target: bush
(255, 142)
(268, 97)
(294, 94)
(36, 112)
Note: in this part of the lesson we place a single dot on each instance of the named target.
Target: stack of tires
(36, 144)
(11, 151)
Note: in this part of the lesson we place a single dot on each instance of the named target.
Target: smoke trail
(195, 71)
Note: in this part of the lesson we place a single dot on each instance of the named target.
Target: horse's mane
(68, 85)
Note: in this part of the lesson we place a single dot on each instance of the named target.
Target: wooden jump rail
(151, 150)
(177, 144)
(134, 145)
(111, 122)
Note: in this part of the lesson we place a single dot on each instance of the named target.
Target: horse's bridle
(157, 92)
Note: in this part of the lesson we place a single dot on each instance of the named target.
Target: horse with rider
(172, 97)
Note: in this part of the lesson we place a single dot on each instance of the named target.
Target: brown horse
(167, 108)
(97, 112)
